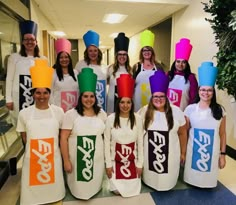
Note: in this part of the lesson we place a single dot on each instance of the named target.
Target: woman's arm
(107, 144)
(24, 137)
(222, 133)
(64, 135)
(193, 88)
(139, 165)
(182, 133)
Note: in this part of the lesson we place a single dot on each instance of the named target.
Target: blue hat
(207, 74)
(28, 27)
(91, 38)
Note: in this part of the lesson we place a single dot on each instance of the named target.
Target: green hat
(87, 80)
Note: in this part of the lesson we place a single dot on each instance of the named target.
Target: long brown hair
(149, 115)
(116, 65)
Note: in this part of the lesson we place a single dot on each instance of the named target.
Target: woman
(124, 142)
(120, 66)
(165, 138)
(82, 142)
(39, 127)
(183, 83)
(65, 86)
(206, 122)
(93, 59)
(144, 69)
(18, 82)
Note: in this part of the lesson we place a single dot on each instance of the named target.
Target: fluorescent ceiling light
(113, 35)
(1, 32)
(58, 33)
(114, 18)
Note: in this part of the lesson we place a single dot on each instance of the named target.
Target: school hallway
(223, 194)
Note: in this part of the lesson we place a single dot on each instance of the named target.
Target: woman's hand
(109, 172)
(68, 166)
(182, 159)
(222, 161)
(139, 171)
(10, 105)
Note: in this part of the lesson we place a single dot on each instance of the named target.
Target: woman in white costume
(142, 70)
(65, 85)
(183, 84)
(82, 140)
(42, 175)
(165, 138)
(93, 59)
(206, 121)
(120, 66)
(18, 81)
(124, 142)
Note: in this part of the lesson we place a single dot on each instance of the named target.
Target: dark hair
(116, 65)
(117, 114)
(58, 67)
(23, 53)
(216, 109)
(187, 71)
(87, 59)
(149, 115)
(80, 107)
(34, 89)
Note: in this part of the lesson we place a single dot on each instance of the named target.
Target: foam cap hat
(63, 44)
(87, 80)
(121, 43)
(125, 86)
(183, 49)
(41, 74)
(207, 74)
(147, 38)
(28, 27)
(91, 38)
(159, 82)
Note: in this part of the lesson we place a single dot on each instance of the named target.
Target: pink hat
(63, 44)
(183, 49)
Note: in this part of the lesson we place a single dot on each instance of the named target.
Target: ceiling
(76, 17)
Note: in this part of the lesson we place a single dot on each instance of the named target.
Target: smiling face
(88, 100)
(159, 101)
(180, 64)
(125, 105)
(206, 93)
(147, 52)
(92, 53)
(29, 42)
(122, 57)
(64, 60)
(41, 97)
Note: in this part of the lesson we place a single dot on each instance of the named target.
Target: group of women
(146, 138)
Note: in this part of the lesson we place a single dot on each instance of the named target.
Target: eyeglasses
(206, 90)
(29, 39)
(146, 50)
(161, 97)
(182, 62)
(122, 54)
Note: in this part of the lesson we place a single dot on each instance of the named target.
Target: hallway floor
(223, 194)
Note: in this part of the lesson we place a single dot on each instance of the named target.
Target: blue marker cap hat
(207, 74)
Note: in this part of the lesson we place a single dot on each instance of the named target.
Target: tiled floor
(9, 194)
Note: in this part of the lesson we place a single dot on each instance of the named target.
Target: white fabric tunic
(65, 92)
(162, 150)
(142, 91)
(124, 152)
(42, 176)
(86, 152)
(112, 91)
(100, 71)
(178, 92)
(203, 149)
(18, 83)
